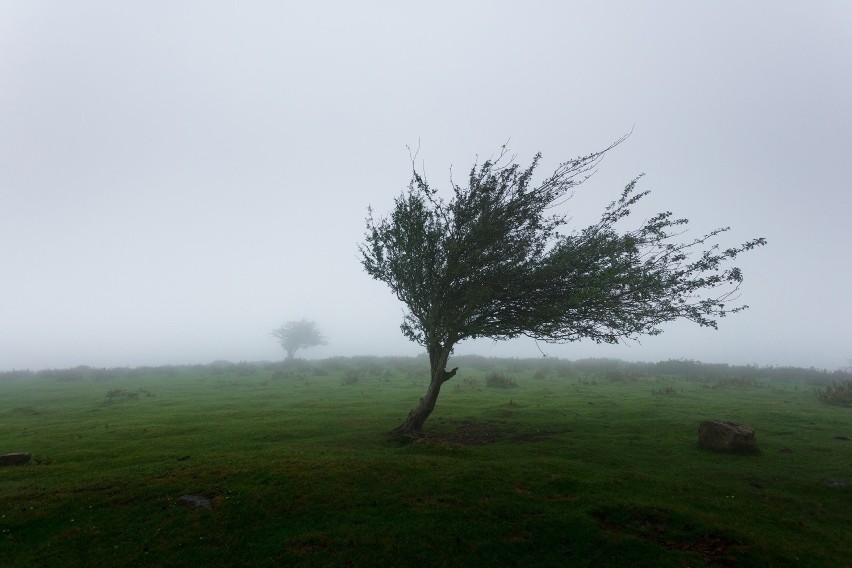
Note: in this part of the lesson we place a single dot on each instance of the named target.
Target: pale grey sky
(179, 178)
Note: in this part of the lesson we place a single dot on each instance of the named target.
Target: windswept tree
(295, 335)
(494, 261)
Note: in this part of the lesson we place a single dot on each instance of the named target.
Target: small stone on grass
(196, 501)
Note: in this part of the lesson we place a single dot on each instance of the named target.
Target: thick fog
(179, 178)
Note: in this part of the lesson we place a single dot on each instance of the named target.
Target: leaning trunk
(412, 425)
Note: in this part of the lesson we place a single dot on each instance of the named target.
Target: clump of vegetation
(76, 374)
(500, 381)
(664, 391)
(115, 395)
(16, 375)
(246, 369)
(540, 374)
(837, 393)
(469, 383)
(351, 377)
(621, 377)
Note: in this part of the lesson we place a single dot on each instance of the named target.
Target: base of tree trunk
(402, 436)
(413, 424)
(412, 427)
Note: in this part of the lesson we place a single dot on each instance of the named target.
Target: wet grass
(579, 469)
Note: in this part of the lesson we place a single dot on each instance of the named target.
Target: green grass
(567, 468)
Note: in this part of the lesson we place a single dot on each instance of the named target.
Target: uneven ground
(566, 468)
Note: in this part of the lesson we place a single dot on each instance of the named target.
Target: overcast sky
(179, 178)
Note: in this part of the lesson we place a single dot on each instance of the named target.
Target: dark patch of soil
(670, 531)
(196, 501)
(25, 410)
(430, 502)
(470, 432)
(477, 433)
(537, 436)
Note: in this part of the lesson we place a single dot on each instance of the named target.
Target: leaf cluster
(494, 261)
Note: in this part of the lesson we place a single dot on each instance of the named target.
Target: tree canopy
(494, 261)
(295, 335)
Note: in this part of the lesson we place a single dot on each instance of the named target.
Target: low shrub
(351, 377)
(621, 377)
(540, 375)
(496, 380)
(837, 393)
(245, 369)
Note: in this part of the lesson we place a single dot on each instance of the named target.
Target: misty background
(177, 179)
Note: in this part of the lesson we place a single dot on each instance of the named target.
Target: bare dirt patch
(475, 433)
(471, 432)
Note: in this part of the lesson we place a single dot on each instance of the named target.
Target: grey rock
(15, 459)
(196, 501)
(725, 436)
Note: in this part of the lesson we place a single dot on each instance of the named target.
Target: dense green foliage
(495, 261)
(492, 263)
(583, 463)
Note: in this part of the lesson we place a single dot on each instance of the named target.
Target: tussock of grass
(839, 394)
(500, 381)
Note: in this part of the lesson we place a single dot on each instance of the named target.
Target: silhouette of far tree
(295, 335)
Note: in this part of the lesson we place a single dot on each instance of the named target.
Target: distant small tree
(494, 261)
(295, 335)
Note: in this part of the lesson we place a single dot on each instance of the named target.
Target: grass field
(569, 466)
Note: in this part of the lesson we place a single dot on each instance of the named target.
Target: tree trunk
(412, 425)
